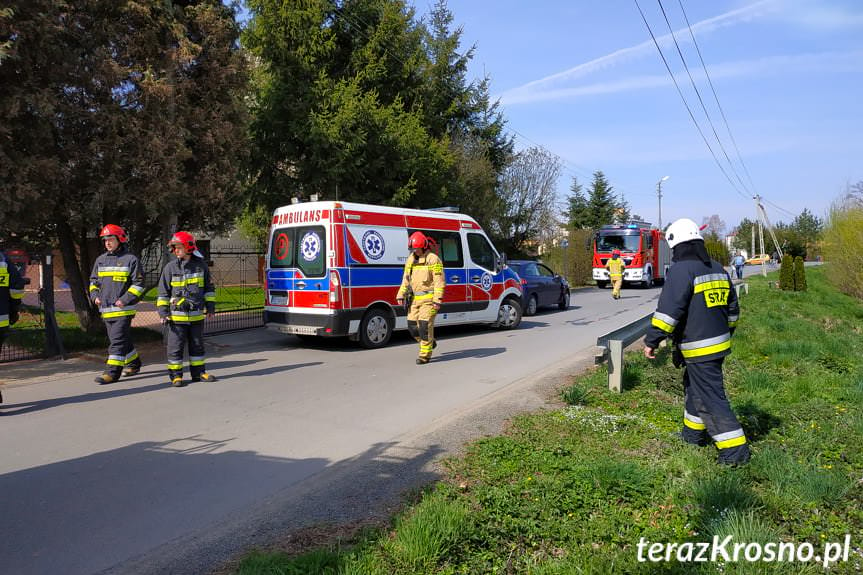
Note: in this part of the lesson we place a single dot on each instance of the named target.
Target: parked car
(758, 259)
(540, 286)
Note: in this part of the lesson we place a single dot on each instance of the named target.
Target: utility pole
(659, 197)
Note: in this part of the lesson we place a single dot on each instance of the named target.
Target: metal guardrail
(611, 345)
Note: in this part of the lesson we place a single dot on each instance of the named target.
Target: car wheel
(531, 305)
(376, 329)
(564, 301)
(509, 314)
(601, 284)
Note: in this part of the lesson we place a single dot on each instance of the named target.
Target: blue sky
(584, 80)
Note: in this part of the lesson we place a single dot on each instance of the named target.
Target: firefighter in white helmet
(698, 310)
(423, 280)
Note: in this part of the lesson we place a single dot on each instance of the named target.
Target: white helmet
(682, 230)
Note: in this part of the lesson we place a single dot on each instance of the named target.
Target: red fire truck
(642, 247)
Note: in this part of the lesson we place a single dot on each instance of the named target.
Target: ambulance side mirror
(499, 262)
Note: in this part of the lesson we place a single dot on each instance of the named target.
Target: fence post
(53, 341)
(615, 365)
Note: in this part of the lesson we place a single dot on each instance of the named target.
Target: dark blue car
(540, 286)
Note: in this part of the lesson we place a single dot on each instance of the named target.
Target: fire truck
(642, 247)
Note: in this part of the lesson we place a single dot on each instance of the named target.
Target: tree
(799, 275)
(786, 273)
(577, 213)
(743, 236)
(602, 205)
(528, 194)
(120, 112)
(715, 227)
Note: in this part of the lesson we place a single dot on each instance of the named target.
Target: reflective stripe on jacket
(186, 290)
(424, 277)
(698, 309)
(116, 276)
(11, 290)
(615, 268)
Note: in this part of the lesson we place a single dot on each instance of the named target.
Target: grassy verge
(29, 333)
(229, 297)
(573, 490)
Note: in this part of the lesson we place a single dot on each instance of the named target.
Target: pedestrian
(116, 285)
(738, 263)
(185, 296)
(423, 283)
(698, 310)
(11, 293)
(615, 267)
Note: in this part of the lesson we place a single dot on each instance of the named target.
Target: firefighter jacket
(615, 268)
(116, 276)
(698, 309)
(186, 291)
(423, 277)
(11, 291)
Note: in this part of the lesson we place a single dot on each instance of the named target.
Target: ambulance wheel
(376, 329)
(509, 314)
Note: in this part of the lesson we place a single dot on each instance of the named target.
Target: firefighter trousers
(177, 336)
(421, 326)
(616, 283)
(121, 350)
(708, 414)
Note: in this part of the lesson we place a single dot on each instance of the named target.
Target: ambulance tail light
(335, 289)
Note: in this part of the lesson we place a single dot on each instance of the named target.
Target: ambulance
(334, 269)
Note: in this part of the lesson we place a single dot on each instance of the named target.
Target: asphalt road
(139, 477)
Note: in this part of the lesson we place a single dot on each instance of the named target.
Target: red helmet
(185, 239)
(116, 231)
(615, 253)
(418, 241)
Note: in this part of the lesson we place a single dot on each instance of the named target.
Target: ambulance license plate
(301, 329)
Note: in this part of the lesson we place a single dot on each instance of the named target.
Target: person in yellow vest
(615, 267)
(423, 280)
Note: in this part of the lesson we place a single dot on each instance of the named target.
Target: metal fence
(237, 274)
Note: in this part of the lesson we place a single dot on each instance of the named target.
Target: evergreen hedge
(786, 273)
(799, 275)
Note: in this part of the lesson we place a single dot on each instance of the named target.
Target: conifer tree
(799, 275)
(786, 273)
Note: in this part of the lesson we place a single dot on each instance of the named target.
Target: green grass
(29, 333)
(572, 490)
(230, 297)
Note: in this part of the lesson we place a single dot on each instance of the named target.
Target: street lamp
(659, 197)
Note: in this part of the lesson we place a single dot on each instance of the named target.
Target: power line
(685, 103)
(698, 95)
(715, 96)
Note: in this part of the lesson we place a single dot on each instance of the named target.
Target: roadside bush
(843, 248)
(717, 250)
(786, 273)
(799, 275)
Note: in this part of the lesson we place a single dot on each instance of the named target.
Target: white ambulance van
(334, 269)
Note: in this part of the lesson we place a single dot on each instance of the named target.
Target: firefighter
(424, 283)
(116, 285)
(186, 295)
(615, 267)
(11, 293)
(698, 310)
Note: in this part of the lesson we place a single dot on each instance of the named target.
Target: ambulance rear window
(282, 248)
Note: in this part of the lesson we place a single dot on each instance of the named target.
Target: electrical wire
(685, 103)
(700, 100)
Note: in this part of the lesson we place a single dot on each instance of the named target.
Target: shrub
(786, 273)
(799, 275)
(843, 248)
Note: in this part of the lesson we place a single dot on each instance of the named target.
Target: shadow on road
(269, 370)
(479, 352)
(154, 506)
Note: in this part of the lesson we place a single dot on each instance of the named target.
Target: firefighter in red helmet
(116, 285)
(615, 267)
(423, 283)
(186, 296)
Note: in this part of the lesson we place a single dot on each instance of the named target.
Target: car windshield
(606, 242)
